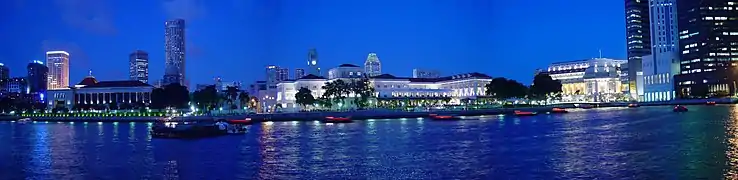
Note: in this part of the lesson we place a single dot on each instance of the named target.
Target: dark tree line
(543, 87)
(172, 95)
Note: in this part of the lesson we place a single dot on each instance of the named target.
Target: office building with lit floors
(638, 39)
(100, 95)
(708, 46)
(663, 63)
(57, 63)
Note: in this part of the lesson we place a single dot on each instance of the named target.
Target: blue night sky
(236, 39)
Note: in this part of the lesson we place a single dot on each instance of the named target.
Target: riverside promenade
(365, 114)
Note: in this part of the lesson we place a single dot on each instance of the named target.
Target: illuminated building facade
(573, 74)
(57, 63)
(372, 66)
(93, 94)
(138, 68)
(387, 88)
(660, 67)
(174, 65)
(638, 38)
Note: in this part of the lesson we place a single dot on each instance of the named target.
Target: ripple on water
(617, 143)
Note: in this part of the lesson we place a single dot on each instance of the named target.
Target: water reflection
(638, 143)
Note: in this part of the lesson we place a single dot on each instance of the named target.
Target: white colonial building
(90, 93)
(589, 79)
(387, 87)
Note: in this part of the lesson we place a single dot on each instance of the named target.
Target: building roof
(88, 81)
(447, 78)
(107, 84)
(312, 76)
(348, 65)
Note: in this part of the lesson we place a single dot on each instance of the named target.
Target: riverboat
(445, 117)
(711, 103)
(559, 110)
(194, 129)
(525, 113)
(680, 108)
(332, 119)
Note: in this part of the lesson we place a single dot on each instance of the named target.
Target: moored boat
(246, 121)
(25, 120)
(445, 117)
(633, 105)
(711, 103)
(525, 113)
(201, 129)
(680, 108)
(559, 110)
(332, 119)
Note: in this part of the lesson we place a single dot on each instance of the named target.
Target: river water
(614, 143)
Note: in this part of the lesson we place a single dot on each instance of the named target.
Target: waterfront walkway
(361, 114)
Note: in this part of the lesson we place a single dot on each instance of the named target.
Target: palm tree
(243, 98)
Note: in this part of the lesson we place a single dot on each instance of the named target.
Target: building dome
(601, 72)
(88, 81)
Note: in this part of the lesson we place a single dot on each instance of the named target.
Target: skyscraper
(659, 67)
(708, 46)
(4, 72)
(37, 77)
(299, 73)
(638, 34)
(372, 66)
(58, 64)
(312, 61)
(272, 76)
(283, 74)
(174, 71)
(138, 68)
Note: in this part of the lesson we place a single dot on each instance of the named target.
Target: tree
(243, 98)
(362, 90)
(545, 87)
(232, 94)
(206, 98)
(177, 95)
(304, 97)
(502, 89)
(158, 99)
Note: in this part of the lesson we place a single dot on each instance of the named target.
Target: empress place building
(450, 89)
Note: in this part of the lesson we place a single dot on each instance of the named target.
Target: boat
(633, 105)
(188, 130)
(332, 119)
(525, 113)
(711, 103)
(559, 110)
(586, 106)
(246, 121)
(445, 117)
(680, 108)
(25, 120)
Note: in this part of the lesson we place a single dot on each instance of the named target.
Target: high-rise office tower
(272, 76)
(299, 73)
(58, 64)
(372, 66)
(638, 34)
(659, 67)
(174, 71)
(4, 72)
(138, 66)
(312, 61)
(37, 77)
(708, 46)
(283, 74)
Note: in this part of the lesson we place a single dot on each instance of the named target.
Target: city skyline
(215, 48)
